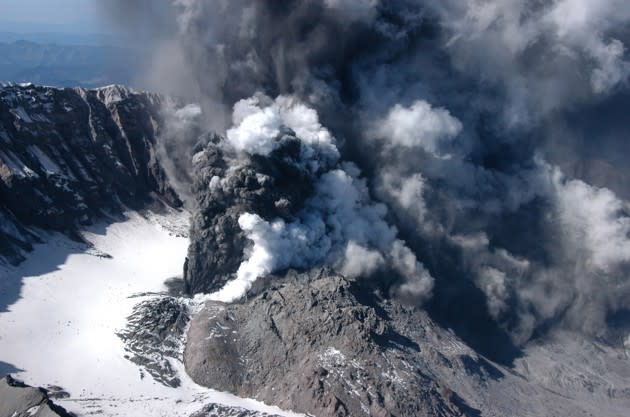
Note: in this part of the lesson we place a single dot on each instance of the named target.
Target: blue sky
(46, 15)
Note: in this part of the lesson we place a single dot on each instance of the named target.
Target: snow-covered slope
(62, 329)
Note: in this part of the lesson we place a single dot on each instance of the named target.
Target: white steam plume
(339, 225)
(419, 125)
(258, 121)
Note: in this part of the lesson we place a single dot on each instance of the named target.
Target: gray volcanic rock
(68, 154)
(309, 345)
(20, 400)
(218, 410)
(315, 342)
(225, 187)
(154, 333)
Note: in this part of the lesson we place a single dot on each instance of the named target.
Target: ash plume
(474, 125)
(337, 224)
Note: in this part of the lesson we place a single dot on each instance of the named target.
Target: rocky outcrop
(154, 335)
(307, 343)
(218, 410)
(318, 343)
(20, 400)
(225, 187)
(69, 155)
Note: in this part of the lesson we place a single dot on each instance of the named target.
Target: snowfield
(72, 300)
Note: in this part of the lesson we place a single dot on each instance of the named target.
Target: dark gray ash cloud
(477, 123)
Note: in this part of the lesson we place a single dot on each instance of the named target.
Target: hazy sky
(69, 15)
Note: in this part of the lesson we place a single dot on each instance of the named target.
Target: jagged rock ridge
(66, 155)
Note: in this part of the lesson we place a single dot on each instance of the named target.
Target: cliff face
(68, 155)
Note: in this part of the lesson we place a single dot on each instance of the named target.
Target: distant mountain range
(88, 63)
(52, 35)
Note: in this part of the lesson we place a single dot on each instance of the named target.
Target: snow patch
(332, 357)
(62, 329)
(48, 164)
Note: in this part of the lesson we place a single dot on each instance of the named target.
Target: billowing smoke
(490, 133)
(339, 224)
(179, 136)
(418, 126)
(545, 55)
